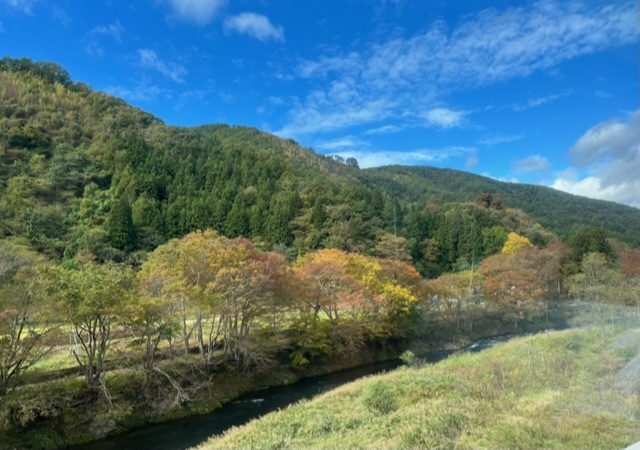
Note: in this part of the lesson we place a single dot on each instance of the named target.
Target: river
(191, 431)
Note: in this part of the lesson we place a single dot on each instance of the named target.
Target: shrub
(378, 396)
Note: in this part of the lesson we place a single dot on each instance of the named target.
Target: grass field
(552, 390)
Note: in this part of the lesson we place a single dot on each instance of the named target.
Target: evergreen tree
(119, 225)
(237, 222)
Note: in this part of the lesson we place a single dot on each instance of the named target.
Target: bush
(378, 396)
(408, 358)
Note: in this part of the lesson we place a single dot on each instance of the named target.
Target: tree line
(231, 303)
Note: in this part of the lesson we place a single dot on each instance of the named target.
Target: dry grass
(553, 390)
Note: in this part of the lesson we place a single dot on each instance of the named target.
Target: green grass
(553, 390)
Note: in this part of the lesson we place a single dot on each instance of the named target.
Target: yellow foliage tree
(514, 243)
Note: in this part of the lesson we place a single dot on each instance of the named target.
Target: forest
(148, 271)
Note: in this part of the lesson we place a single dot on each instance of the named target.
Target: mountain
(83, 174)
(557, 211)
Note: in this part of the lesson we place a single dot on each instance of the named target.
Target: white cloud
(410, 75)
(199, 12)
(609, 153)
(149, 58)
(341, 143)
(505, 180)
(61, 16)
(141, 92)
(377, 158)
(384, 129)
(113, 31)
(254, 25)
(320, 114)
(592, 187)
(445, 118)
(539, 101)
(602, 94)
(496, 139)
(534, 163)
(91, 42)
(24, 6)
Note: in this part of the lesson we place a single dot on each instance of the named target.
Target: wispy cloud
(413, 74)
(385, 129)
(349, 142)
(377, 158)
(497, 139)
(254, 25)
(602, 94)
(1, 28)
(25, 6)
(609, 153)
(149, 58)
(320, 114)
(91, 42)
(534, 163)
(113, 31)
(143, 91)
(60, 15)
(539, 101)
(199, 12)
(445, 118)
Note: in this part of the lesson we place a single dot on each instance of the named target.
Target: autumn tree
(514, 243)
(157, 311)
(515, 281)
(94, 298)
(630, 267)
(393, 247)
(26, 320)
(354, 292)
(598, 283)
(244, 283)
(457, 296)
(329, 288)
(219, 287)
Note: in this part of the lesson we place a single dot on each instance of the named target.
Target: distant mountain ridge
(556, 210)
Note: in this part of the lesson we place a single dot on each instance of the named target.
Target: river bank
(558, 389)
(60, 414)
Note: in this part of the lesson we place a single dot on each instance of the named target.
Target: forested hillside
(149, 272)
(555, 210)
(84, 174)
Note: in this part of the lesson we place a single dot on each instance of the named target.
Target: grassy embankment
(53, 409)
(553, 390)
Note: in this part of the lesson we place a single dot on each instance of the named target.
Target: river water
(184, 433)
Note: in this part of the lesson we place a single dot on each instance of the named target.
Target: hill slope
(83, 173)
(555, 390)
(557, 211)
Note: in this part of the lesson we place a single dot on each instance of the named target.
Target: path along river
(191, 431)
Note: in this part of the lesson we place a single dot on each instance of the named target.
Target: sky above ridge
(542, 92)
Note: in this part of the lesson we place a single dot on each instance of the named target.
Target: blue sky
(542, 92)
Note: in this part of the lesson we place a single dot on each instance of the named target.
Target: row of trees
(223, 296)
(232, 303)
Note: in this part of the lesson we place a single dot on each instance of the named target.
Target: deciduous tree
(94, 298)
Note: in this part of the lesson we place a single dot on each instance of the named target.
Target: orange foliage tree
(516, 281)
(359, 296)
(457, 297)
(218, 287)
